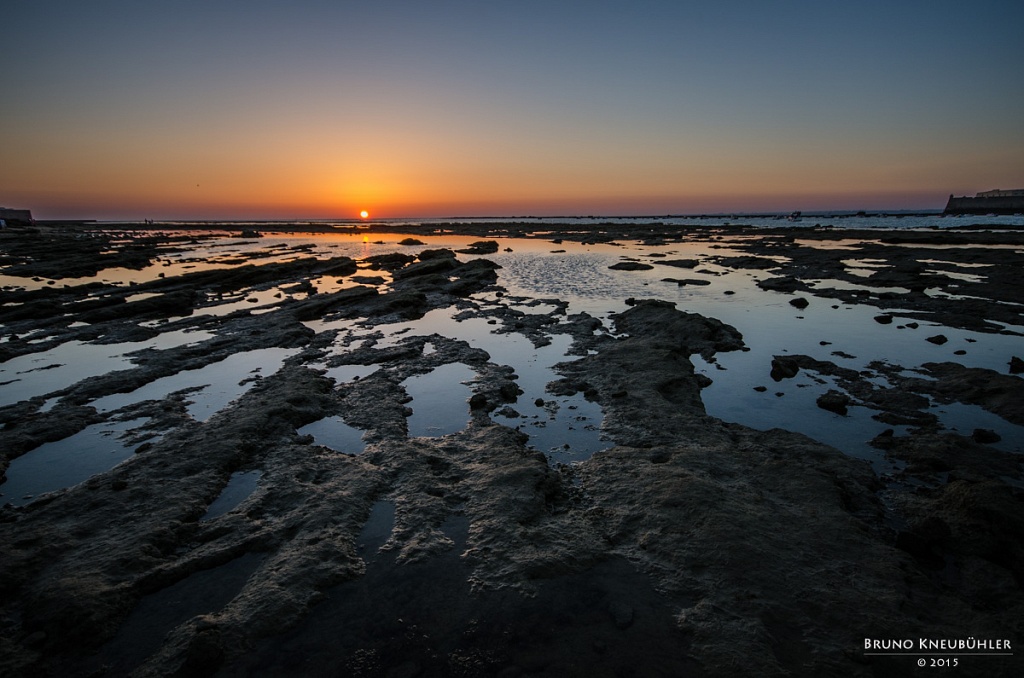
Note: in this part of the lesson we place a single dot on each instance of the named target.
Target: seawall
(986, 205)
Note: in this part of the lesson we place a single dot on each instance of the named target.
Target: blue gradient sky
(319, 109)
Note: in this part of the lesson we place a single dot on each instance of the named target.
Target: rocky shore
(691, 546)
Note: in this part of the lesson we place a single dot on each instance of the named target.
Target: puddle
(567, 428)
(964, 419)
(334, 433)
(36, 374)
(436, 321)
(833, 284)
(240, 485)
(440, 401)
(219, 382)
(157, 614)
(377, 530)
(342, 374)
(65, 463)
(732, 398)
(255, 302)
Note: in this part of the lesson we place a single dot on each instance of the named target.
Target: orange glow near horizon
(364, 214)
(185, 114)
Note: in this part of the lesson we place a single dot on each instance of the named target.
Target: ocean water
(835, 218)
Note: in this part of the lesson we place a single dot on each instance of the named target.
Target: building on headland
(9, 216)
(998, 201)
(1000, 193)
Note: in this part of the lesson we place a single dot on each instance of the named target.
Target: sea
(835, 219)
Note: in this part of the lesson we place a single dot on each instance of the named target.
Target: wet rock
(799, 302)
(985, 436)
(784, 368)
(441, 253)
(760, 263)
(389, 262)
(322, 304)
(426, 267)
(480, 247)
(883, 319)
(938, 339)
(783, 284)
(409, 242)
(939, 452)
(998, 393)
(834, 401)
(1016, 365)
(631, 266)
(883, 440)
(32, 429)
(975, 521)
(679, 263)
(687, 281)
(472, 277)
(66, 253)
(368, 279)
(686, 332)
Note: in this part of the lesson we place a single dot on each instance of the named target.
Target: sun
(364, 214)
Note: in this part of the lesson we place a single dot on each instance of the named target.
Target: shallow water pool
(64, 463)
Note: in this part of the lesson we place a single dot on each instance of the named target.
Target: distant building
(988, 202)
(10, 216)
(999, 193)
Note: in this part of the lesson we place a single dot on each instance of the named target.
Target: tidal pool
(217, 384)
(334, 433)
(35, 374)
(240, 485)
(440, 400)
(64, 463)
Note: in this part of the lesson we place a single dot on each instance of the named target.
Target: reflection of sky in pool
(240, 485)
(37, 374)
(567, 427)
(63, 463)
(440, 401)
(220, 382)
(334, 433)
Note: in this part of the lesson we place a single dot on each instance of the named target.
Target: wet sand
(684, 544)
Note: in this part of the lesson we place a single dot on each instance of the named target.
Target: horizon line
(371, 220)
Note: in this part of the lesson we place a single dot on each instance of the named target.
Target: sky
(228, 109)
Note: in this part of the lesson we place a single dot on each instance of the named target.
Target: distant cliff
(989, 202)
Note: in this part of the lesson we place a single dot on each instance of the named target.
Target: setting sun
(364, 214)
